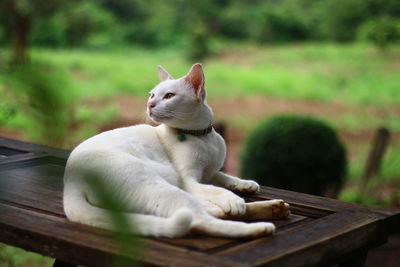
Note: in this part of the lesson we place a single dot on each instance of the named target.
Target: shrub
(380, 30)
(295, 153)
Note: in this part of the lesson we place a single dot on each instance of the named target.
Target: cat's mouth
(157, 117)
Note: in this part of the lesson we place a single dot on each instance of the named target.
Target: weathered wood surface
(320, 231)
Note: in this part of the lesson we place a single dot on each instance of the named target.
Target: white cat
(167, 177)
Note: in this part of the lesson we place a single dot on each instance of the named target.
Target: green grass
(351, 74)
(104, 74)
(354, 123)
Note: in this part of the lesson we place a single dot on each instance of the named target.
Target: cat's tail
(77, 209)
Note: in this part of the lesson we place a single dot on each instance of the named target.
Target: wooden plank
(56, 237)
(35, 183)
(7, 151)
(198, 243)
(316, 242)
(289, 222)
(252, 247)
(33, 148)
(204, 243)
(322, 203)
(19, 157)
(296, 208)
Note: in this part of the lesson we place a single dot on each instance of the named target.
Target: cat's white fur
(168, 187)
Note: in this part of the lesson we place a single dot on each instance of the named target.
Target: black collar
(195, 132)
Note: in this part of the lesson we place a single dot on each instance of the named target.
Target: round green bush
(296, 153)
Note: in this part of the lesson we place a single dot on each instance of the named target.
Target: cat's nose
(151, 105)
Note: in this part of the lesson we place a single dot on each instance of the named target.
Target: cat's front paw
(229, 203)
(244, 186)
(213, 209)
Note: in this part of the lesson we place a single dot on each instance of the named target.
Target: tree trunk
(21, 31)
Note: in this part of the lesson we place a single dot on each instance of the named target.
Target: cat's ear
(164, 75)
(195, 77)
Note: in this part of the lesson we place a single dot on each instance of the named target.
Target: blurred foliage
(44, 95)
(110, 23)
(84, 24)
(17, 18)
(296, 153)
(16, 257)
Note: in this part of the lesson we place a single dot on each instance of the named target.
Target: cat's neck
(201, 119)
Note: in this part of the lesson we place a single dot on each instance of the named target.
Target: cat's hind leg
(264, 210)
(151, 205)
(258, 210)
(268, 209)
(78, 209)
(167, 200)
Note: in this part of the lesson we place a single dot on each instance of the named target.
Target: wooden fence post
(375, 156)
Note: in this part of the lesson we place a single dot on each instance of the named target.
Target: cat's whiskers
(180, 115)
(174, 114)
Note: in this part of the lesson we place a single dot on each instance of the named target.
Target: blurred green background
(69, 69)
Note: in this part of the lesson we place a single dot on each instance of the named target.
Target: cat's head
(180, 103)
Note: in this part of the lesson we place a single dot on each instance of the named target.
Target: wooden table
(320, 231)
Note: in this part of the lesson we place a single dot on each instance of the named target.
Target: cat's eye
(151, 95)
(168, 95)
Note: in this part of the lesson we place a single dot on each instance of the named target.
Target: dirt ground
(241, 114)
(234, 112)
